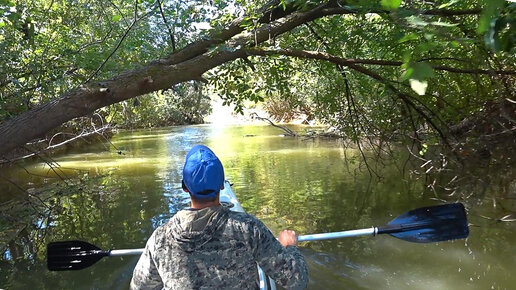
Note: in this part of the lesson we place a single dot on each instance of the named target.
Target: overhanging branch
(171, 34)
(341, 61)
(135, 20)
(351, 61)
(96, 131)
(186, 64)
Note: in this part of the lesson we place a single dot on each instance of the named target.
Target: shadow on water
(117, 197)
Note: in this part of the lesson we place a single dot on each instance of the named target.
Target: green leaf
(391, 4)
(429, 36)
(406, 57)
(408, 37)
(454, 44)
(2, 24)
(490, 12)
(501, 35)
(422, 71)
(116, 18)
(404, 13)
(423, 150)
(416, 21)
(407, 74)
(418, 86)
(426, 47)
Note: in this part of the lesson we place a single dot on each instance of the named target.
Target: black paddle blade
(72, 255)
(430, 224)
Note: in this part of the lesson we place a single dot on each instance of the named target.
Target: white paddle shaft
(117, 253)
(305, 238)
(337, 235)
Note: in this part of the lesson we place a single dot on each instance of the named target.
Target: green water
(310, 186)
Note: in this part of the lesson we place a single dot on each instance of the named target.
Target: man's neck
(200, 205)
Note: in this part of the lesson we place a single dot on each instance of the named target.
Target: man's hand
(288, 238)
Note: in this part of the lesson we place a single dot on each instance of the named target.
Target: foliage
(355, 103)
(51, 47)
(407, 69)
(183, 104)
(498, 24)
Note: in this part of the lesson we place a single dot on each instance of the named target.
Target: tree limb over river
(259, 29)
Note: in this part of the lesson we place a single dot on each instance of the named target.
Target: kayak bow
(228, 198)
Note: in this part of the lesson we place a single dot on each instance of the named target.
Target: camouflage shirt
(215, 248)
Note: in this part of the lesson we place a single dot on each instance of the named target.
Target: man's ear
(184, 186)
(222, 187)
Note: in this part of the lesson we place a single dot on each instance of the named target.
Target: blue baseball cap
(203, 174)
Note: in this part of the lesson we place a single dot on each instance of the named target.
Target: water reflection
(310, 186)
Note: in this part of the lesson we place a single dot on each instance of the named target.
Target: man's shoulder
(242, 217)
(244, 220)
(167, 227)
(240, 220)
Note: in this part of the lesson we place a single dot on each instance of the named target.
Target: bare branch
(51, 147)
(287, 130)
(341, 61)
(348, 61)
(135, 20)
(172, 38)
(355, 120)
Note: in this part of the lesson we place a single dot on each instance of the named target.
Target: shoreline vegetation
(479, 133)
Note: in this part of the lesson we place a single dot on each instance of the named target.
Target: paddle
(422, 225)
(76, 255)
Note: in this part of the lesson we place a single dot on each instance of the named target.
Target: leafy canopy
(50, 47)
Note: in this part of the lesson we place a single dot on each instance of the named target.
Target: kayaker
(210, 247)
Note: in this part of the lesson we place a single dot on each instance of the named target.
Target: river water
(133, 184)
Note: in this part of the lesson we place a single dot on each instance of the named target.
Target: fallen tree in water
(285, 129)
